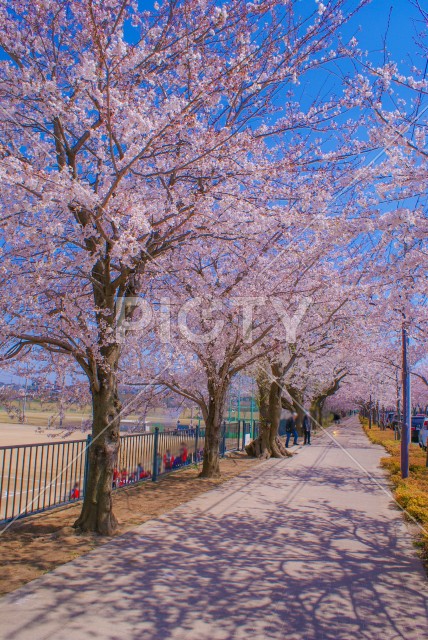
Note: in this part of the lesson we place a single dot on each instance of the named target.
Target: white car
(423, 435)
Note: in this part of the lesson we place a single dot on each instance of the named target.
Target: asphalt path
(307, 548)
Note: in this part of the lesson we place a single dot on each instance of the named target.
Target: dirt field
(38, 544)
(35, 430)
(14, 434)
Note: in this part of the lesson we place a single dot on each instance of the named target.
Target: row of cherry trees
(174, 212)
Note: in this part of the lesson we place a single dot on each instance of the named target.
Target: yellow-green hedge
(411, 493)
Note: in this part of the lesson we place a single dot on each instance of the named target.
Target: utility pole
(398, 407)
(405, 431)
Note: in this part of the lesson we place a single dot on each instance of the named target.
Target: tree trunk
(298, 400)
(97, 512)
(320, 410)
(213, 422)
(318, 402)
(268, 443)
(316, 413)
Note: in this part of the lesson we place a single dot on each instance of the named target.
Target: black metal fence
(37, 477)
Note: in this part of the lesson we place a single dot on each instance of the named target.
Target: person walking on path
(307, 427)
(291, 429)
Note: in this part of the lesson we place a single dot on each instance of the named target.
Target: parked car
(423, 434)
(417, 424)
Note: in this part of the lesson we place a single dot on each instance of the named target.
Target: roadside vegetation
(411, 493)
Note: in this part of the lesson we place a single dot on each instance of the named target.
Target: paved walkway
(308, 548)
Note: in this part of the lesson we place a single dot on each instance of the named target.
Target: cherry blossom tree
(210, 337)
(199, 359)
(120, 129)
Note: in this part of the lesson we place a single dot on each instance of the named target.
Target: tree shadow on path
(268, 556)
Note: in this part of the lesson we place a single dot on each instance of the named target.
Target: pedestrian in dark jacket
(291, 429)
(307, 428)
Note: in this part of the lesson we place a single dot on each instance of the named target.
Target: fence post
(223, 442)
(86, 471)
(155, 455)
(239, 433)
(196, 443)
(243, 435)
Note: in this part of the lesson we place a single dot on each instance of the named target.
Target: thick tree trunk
(268, 443)
(213, 422)
(318, 401)
(297, 405)
(97, 512)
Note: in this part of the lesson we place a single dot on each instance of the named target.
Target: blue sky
(373, 21)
